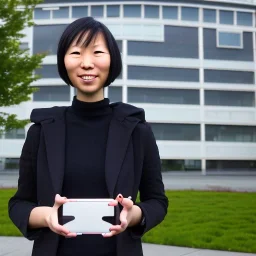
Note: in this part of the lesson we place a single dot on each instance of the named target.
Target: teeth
(87, 77)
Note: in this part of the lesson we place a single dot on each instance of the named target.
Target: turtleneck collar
(84, 109)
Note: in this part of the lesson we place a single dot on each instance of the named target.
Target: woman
(91, 149)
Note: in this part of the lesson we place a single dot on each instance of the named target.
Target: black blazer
(132, 165)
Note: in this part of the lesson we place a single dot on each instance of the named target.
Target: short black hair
(91, 26)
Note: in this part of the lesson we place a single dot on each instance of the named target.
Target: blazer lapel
(54, 134)
(118, 139)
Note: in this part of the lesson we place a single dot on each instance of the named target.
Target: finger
(110, 234)
(123, 218)
(116, 228)
(113, 203)
(127, 203)
(71, 235)
(59, 201)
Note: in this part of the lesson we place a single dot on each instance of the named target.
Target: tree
(16, 65)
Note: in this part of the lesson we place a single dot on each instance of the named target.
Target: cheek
(104, 64)
(70, 64)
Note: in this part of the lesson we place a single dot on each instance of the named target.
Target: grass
(199, 219)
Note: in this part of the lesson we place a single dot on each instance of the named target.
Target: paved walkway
(15, 246)
(182, 180)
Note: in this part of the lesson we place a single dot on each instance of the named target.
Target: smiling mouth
(88, 78)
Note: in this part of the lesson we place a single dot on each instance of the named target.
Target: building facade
(190, 64)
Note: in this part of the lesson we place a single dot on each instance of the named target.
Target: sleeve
(153, 201)
(25, 199)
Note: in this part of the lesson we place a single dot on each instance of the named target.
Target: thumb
(59, 201)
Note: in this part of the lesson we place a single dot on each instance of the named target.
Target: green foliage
(16, 66)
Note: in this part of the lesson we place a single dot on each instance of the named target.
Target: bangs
(87, 36)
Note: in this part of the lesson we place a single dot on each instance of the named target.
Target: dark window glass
(189, 14)
(179, 42)
(227, 17)
(163, 96)
(230, 133)
(170, 12)
(24, 46)
(120, 45)
(97, 11)
(41, 14)
(163, 74)
(52, 93)
(43, 39)
(113, 11)
(15, 134)
(186, 132)
(151, 11)
(210, 15)
(180, 165)
(48, 71)
(229, 98)
(79, 11)
(226, 76)
(244, 18)
(132, 11)
(227, 39)
(211, 51)
(232, 165)
(11, 164)
(115, 93)
(62, 13)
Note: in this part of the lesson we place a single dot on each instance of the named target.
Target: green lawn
(214, 220)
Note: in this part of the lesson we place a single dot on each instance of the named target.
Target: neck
(90, 97)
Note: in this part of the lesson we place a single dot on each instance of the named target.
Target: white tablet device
(88, 216)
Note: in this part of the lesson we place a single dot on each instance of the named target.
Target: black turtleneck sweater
(87, 127)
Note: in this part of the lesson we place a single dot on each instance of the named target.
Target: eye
(96, 52)
(75, 53)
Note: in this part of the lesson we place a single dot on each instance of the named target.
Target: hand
(127, 215)
(52, 219)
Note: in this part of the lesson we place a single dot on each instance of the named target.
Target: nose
(87, 62)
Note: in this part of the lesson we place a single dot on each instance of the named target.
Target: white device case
(85, 216)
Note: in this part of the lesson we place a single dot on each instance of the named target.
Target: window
(97, 11)
(132, 11)
(48, 71)
(170, 12)
(24, 46)
(210, 15)
(229, 39)
(231, 165)
(15, 134)
(79, 11)
(41, 14)
(229, 98)
(227, 17)
(230, 133)
(180, 165)
(62, 13)
(226, 76)
(163, 96)
(43, 39)
(189, 14)
(244, 19)
(113, 11)
(151, 11)
(52, 93)
(183, 132)
(11, 163)
(115, 93)
(163, 74)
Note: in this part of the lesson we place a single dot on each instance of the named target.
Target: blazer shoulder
(40, 115)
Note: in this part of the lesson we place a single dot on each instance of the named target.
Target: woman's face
(88, 68)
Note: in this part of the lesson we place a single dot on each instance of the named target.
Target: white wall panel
(229, 115)
(11, 148)
(179, 149)
(227, 150)
(171, 113)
